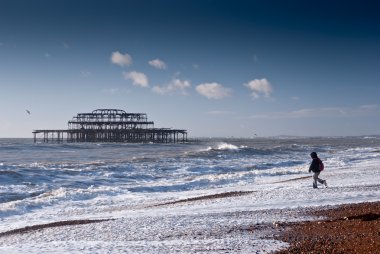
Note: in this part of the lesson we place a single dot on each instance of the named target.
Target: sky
(216, 68)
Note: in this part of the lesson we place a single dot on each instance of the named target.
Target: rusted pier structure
(111, 125)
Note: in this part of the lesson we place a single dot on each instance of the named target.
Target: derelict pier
(111, 125)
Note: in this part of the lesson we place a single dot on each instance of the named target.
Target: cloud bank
(213, 90)
(138, 78)
(120, 59)
(259, 87)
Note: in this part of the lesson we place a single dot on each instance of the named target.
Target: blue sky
(216, 68)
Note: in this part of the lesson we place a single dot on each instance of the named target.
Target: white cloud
(175, 86)
(259, 87)
(120, 59)
(138, 78)
(47, 55)
(213, 90)
(158, 64)
(295, 98)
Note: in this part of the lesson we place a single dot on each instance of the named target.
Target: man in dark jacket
(314, 166)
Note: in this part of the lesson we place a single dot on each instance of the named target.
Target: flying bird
(27, 111)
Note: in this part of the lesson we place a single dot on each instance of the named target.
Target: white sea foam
(140, 194)
(226, 146)
(142, 228)
(371, 137)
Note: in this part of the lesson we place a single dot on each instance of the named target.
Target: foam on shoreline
(239, 219)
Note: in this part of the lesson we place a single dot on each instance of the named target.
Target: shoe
(325, 183)
(315, 186)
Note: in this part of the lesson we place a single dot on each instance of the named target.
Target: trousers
(317, 179)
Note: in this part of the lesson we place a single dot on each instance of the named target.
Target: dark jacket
(314, 166)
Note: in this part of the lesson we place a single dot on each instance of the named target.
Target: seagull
(27, 111)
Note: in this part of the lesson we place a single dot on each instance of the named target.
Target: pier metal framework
(111, 125)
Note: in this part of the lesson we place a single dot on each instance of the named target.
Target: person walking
(316, 167)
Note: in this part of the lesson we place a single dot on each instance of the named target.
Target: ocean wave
(226, 146)
(371, 137)
(12, 196)
(10, 173)
(26, 203)
(43, 175)
(220, 147)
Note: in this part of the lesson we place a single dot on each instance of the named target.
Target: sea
(37, 176)
(204, 196)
